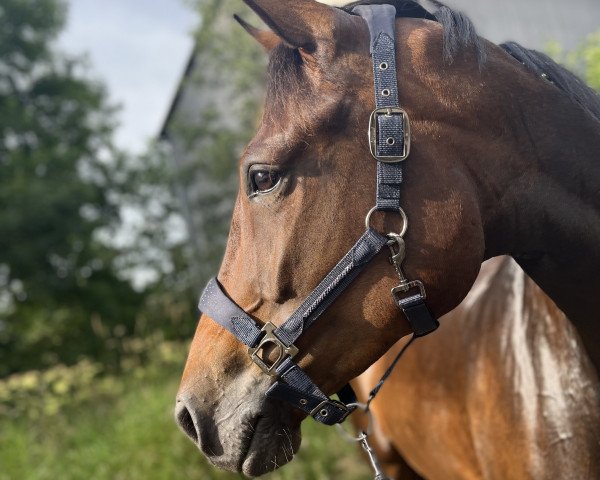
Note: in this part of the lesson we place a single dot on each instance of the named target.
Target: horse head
(306, 185)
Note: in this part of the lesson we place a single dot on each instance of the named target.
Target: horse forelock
(295, 104)
(284, 77)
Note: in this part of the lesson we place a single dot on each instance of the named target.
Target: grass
(133, 436)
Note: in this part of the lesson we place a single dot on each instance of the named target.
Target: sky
(138, 49)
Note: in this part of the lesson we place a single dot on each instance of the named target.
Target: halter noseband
(389, 141)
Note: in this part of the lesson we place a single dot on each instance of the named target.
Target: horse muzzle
(253, 435)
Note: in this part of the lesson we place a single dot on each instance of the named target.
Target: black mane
(459, 32)
(543, 66)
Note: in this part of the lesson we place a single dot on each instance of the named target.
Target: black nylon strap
(390, 128)
(347, 395)
(298, 389)
(336, 281)
(418, 315)
(218, 306)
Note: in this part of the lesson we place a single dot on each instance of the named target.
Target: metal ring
(352, 438)
(400, 211)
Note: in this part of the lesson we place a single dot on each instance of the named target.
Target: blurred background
(121, 123)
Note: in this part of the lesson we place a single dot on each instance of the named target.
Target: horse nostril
(186, 422)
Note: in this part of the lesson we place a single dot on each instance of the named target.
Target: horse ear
(266, 38)
(300, 23)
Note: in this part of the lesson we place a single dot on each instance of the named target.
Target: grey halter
(389, 139)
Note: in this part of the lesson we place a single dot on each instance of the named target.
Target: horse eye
(263, 180)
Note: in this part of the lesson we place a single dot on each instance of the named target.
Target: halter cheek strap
(389, 141)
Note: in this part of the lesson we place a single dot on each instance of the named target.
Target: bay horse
(504, 161)
(504, 390)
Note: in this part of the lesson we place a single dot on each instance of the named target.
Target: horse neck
(541, 204)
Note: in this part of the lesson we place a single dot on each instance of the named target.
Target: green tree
(589, 55)
(584, 60)
(60, 294)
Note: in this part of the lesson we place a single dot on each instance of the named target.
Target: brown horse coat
(504, 390)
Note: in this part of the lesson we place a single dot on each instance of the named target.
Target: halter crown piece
(389, 140)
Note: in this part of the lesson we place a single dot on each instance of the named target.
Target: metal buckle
(373, 134)
(347, 409)
(283, 351)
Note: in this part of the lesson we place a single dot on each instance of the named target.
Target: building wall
(533, 23)
(210, 121)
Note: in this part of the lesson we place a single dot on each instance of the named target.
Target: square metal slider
(374, 138)
(283, 351)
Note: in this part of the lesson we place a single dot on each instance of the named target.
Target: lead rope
(387, 373)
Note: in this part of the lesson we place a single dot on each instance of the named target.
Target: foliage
(40, 394)
(126, 430)
(585, 60)
(589, 56)
(66, 270)
(57, 172)
(152, 253)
